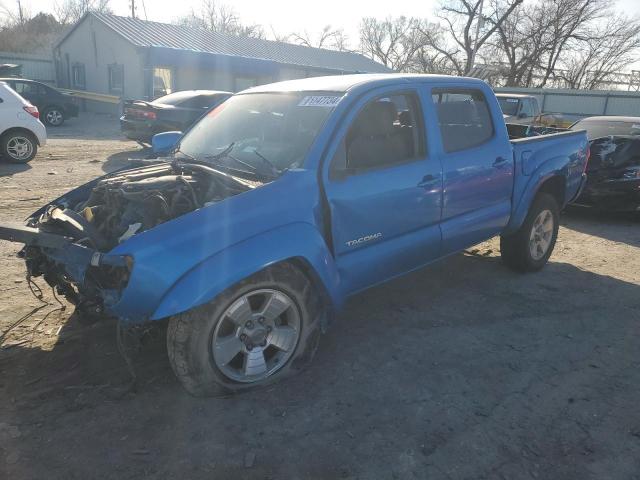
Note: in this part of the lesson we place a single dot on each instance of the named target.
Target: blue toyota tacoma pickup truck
(288, 198)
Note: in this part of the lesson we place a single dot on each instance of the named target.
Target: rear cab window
(464, 118)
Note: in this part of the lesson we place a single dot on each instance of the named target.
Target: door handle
(428, 180)
(499, 161)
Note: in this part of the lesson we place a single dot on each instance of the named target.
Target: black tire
(53, 116)
(515, 249)
(190, 334)
(7, 146)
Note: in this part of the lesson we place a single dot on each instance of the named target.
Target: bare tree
(392, 41)
(70, 11)
(607, 50)
(329, 37)
(13, 14)
(459, 16)
(221, 18)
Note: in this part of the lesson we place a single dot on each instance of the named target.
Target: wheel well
(53, 105)
(317, 284)
(20, 129)
(555, 186)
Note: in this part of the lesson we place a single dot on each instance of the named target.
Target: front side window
(387, 131)
(27, 88)
(260, 131)
(463, 117)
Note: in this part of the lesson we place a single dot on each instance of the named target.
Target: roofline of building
(97, 17)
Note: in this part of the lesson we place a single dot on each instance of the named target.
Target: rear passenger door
(477, 167)
(383, 190)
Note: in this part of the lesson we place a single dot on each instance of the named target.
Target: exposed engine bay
(132, 201)
(118, 207)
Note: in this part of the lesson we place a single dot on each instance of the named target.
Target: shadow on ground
(8, 169)
(614, 226)
(440, 374)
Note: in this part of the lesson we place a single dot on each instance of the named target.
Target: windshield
(509, 106)
(604, 128)
(260, 129)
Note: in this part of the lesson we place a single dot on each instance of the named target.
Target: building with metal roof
(134, 58)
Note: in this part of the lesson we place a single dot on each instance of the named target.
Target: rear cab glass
(463, 117)
(509, 105)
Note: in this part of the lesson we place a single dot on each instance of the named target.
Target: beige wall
(96, 46)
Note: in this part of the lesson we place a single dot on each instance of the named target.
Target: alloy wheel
(541, 234)
(256, 335)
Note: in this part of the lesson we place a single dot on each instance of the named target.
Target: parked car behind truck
(21, 132)
(614, 172)
(291, 197)
(55, 107)
(518, 108)
(141, 120)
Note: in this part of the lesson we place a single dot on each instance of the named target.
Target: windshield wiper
(275, 171)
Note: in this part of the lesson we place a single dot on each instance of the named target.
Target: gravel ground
(464, 370)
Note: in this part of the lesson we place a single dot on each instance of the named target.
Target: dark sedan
(54, 106)
(614, 167)
(177, 111)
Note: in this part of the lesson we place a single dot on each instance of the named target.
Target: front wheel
(529, 249)
(18, 146)
(259, 331)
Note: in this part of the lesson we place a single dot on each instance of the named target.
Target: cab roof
(345, 83)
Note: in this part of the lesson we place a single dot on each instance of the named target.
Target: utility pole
(20, 14)
(475, 42)
(133, 8)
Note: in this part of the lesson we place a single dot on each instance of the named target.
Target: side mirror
(165, 142)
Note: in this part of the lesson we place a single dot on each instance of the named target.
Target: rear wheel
(18, 146)
(261, 330)
(53, 116)
(529, 249)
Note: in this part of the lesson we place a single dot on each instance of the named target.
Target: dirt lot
(462, 371)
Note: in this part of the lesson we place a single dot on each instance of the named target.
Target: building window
(116, 78)
(162, 81)
(77, 76)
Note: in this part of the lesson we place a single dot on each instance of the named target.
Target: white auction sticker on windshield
(512, 100)
(319, 101)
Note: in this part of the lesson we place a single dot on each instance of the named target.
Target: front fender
(217, 273)
(529, 188)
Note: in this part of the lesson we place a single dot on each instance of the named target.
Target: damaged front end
(69, 241)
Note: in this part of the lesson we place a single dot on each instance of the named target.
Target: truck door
(384, 191)
(477, 164)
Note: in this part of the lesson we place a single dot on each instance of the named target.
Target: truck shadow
(420, 361)
(623, 227)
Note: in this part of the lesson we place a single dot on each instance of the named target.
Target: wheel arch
(20, 129)
(553, 183)
(298, 244)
